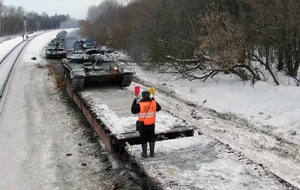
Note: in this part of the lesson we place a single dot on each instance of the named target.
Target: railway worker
(146, 108)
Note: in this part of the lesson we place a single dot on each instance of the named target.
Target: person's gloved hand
(135, 100)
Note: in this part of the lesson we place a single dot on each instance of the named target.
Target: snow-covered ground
(45, 142)
(259, 121)
(7, 45)
(245, 112)
(264, 103)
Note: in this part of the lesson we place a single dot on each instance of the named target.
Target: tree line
(12, 20)
(251, 39)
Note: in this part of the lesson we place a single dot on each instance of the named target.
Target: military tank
(55, 49)
(95, 66)
(61, 35)
(84, 44)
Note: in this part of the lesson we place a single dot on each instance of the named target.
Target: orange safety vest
(146, 114)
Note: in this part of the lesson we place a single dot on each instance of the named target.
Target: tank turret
(95, 66)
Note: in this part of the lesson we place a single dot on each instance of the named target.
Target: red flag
(137, 90)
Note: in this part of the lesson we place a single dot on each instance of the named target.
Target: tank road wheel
(126, 80)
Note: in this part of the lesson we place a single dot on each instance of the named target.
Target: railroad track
(255, 145)
(8, 62)
(224, 128)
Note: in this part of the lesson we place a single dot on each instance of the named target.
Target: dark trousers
(148, 134)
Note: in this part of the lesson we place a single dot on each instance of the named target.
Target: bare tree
(196, 42)
(99, 21)
(278, 24)
(12, 20)
(1, 16)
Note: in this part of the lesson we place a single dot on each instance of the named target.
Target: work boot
(144, 150)
(152, 149)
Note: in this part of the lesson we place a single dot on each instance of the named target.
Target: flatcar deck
(108, 110)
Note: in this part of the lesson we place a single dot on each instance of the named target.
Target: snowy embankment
(259, 122)
(8, 45)
(267, 105)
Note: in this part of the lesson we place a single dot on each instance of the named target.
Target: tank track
(76, 84)
(126, 80)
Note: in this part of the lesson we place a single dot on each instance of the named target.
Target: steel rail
(10, 52)
(2, 88)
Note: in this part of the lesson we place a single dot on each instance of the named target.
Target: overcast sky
(75, 8)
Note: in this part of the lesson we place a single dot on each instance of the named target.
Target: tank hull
(85, 68)
(56, 54)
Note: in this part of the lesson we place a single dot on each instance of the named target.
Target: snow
(45, 143)
(127, 124)
(107, 106)
(260, 121)
(263, 107)
(7, 45)
(5, 48)
(197, 163)
(265, 104)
